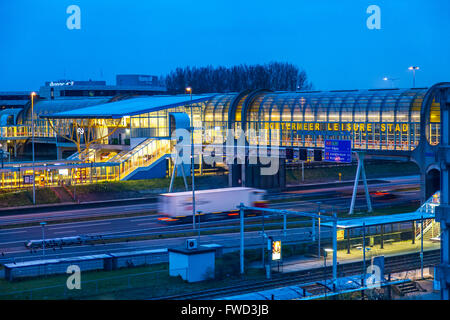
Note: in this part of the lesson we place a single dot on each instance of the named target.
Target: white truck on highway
(178, 205)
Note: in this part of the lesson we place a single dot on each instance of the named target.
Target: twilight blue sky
(327, 38)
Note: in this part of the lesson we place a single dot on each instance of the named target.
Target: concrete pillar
(59, 153)
(443, 211)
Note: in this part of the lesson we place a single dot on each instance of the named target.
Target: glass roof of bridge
(131, 107)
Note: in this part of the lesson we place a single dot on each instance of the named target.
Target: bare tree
(273, 75)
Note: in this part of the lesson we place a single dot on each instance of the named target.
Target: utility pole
(32, 145)
(189, 89)
(263, 241)
(241, 216)
(318, 227)
(324, 270)
(364, 254)
(421, 246)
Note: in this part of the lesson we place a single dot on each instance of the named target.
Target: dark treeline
(276, 76)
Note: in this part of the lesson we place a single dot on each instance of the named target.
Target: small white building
(192, 264)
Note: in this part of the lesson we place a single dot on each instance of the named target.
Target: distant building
(13, 99)
(125, 84)
(136, 80)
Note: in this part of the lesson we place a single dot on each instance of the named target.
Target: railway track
(393, 264)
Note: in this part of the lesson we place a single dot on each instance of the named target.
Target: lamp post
(241, 217)
(318, 228)
(391, 80)
(421, 247)
(189, 89)
(33, 94)
(414, 68)
(43, 237)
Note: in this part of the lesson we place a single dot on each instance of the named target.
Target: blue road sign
(338, 151)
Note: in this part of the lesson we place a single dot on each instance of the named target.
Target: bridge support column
(443, 211)
(230, 175)
(175, 172)
(360, 171)
(59, 153)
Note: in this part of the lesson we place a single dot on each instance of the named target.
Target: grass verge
(25, 197)
(144, 282)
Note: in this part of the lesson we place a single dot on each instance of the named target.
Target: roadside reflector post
(303, 171)
(241, 214)
(198, 222)
(313, 229)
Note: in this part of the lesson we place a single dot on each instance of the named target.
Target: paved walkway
(304, 263)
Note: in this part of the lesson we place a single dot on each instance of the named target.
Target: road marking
(147, 223)
(143, 218)
(79, 226)
(61, 232)
(12, 232)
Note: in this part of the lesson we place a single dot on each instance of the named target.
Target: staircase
(90, 154)
(143, 158)
(144, 161)
(431, 228)
(405, 288)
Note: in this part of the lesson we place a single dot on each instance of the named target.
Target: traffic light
(317, 155)
(289, 154)
(303, 154)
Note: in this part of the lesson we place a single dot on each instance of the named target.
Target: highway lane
(389, 184)
(139, 224)
(11, 240)
(78, 213)
(230, 241)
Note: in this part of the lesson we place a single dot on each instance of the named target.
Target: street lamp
(43, 237)
(391, 80)
(189, 89)
(414, 68)
(33, 94)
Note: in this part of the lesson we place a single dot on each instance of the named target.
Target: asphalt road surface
(12, 240)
